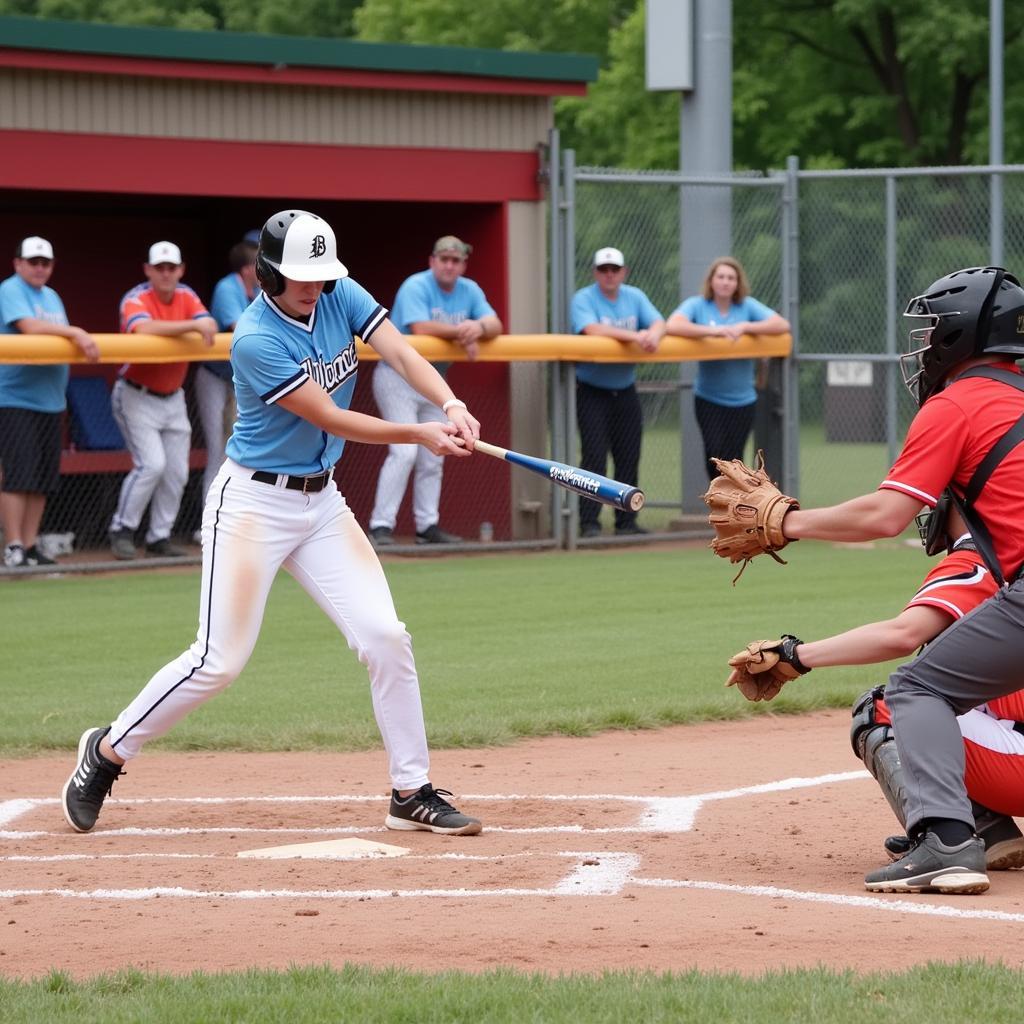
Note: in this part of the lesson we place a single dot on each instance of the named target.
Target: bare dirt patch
(664, 860)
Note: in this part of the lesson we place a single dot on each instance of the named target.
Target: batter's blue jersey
(273, 353)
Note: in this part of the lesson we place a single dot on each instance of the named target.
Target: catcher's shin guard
(874, 744)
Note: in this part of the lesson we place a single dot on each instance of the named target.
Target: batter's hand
(442, 439)
(465, 423)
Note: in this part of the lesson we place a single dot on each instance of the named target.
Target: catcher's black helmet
(297, 245)
(971, 312)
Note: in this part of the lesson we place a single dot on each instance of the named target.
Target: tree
(298, 17)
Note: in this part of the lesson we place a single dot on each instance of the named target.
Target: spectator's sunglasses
(39, 261)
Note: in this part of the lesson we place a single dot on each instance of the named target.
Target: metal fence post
(891, 305)
(790, 469)
(570, 502)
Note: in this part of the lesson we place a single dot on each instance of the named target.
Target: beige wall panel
(116, 105)
(527, 301)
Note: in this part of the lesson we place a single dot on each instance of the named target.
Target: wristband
(453, 402)
(788, 653)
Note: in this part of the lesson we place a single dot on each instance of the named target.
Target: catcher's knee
(864, 721)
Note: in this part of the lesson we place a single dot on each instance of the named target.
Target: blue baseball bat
(572, 478)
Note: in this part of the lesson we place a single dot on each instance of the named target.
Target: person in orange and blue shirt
(148, 402)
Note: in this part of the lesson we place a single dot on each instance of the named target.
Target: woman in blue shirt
(724, 394)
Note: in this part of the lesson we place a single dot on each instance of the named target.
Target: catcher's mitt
(762, 668)
(747, 510)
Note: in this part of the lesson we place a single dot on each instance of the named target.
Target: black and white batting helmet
(298, 245)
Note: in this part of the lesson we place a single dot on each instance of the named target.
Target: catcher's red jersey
(957, 585)
(947, 440)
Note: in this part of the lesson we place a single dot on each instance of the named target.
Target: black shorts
(30, 444)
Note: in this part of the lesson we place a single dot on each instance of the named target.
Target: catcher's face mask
(912, 361)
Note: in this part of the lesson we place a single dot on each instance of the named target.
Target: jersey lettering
(330, 376)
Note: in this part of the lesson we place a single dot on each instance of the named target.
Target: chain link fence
(838, 253)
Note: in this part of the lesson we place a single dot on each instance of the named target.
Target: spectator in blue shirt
(442, 302)
(607, 407)
(32, 402)
(724, 394)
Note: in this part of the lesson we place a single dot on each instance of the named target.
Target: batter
(274, 504)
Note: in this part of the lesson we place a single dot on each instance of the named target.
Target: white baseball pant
(250, 530)
(212, 394)
(158, 435)
(400, 403)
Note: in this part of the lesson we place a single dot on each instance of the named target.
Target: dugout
(115, 137)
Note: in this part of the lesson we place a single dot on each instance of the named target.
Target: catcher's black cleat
(1004, 842)
(931, 866)
(428, 810)
(90, 783)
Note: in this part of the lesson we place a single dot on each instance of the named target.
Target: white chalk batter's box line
(660, 814)
(596, 873)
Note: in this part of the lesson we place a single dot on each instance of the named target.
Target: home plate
(331, 849)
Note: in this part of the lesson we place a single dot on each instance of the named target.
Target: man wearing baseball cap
(607, 406)
(439, 301)
(32, 402)
(149, 405)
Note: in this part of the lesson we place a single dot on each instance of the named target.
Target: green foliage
(840, 83)
(299, 17)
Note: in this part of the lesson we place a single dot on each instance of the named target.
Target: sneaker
(35, 557)
(428, 810)
(931, 866)
(163, 548)
(630, 530)
(1004, 842)
(90, 783)
(590, 530)
(382, 536)
(122, 544)
(14, 556)
(435, 535)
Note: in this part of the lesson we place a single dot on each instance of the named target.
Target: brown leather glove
(763, 667)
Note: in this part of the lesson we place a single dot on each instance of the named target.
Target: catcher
(992, 738)
(964, 438)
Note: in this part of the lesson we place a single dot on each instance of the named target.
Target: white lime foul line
(897, 904)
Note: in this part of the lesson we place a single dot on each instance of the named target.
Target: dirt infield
(726, 846)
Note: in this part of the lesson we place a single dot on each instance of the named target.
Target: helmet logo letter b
(1020, 323)
(319, 247)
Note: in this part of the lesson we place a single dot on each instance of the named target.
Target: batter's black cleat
(931, 866)
(1004, 842)
(427, 809)
(90, 783)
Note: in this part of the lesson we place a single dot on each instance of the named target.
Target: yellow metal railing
(507, 348)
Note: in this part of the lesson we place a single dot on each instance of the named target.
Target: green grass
(964, 992)
(507, 646)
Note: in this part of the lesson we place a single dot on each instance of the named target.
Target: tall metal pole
(995, 127)
(705, 230)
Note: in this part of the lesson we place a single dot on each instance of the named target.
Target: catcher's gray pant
(399, 403)
(250, 530)
(158, 435)
(212, 399)
(976, 659)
